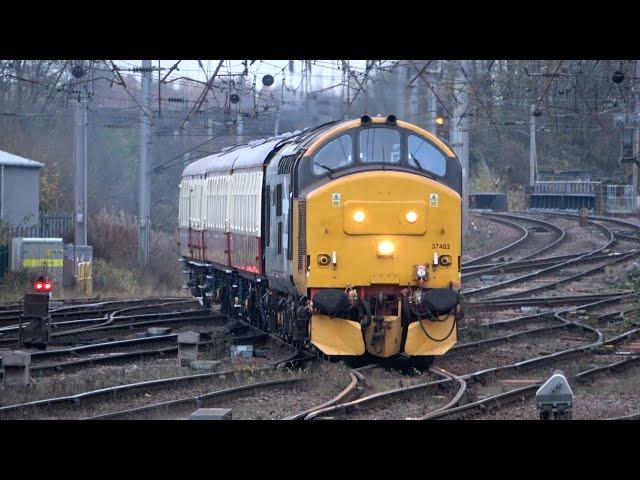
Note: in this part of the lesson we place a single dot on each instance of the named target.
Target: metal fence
(620, 199)
(54, 225)
(570, 187)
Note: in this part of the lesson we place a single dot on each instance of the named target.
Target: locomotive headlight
(421, 272)
(411, 217)
(385, 248)
(358, 216)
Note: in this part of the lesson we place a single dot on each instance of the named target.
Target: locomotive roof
(257, 152)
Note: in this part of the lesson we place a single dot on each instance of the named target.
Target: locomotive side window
(425, 156)
(279, 200)
(380, 145)
(335, 154)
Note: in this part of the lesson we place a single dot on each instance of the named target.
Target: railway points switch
(555, 398)
(16, 368)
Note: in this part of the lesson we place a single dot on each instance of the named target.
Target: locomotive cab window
(380, 145)
(336, 154)
(425, 157)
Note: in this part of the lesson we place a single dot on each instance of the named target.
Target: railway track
(80, 309)
(117, 320)
(439, 393)
(77, 405)
(528, 246)
(610, 240)
(583, 301)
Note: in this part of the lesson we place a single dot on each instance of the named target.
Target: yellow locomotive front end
(380, 245)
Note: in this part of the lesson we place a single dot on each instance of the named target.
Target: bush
(484, 181)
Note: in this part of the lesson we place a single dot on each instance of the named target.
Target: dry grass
(516, 199)
(116, 271)
(14, 284)
(484, 180)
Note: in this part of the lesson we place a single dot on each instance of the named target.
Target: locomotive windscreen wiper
(324, 166)
(415, 160)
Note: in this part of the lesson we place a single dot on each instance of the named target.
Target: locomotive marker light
(386, 248)
(411, 217)
(555, 398)
(358, 216)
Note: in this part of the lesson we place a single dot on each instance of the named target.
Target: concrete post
(188, 347)
(432, 101)
(144, 181)
(533, 156)
(636, 138)
(80, 160)
(16, 367)
(460, 138)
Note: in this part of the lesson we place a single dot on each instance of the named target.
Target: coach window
(336, 154)
(425, 156)
(379, 145)
(267, 216)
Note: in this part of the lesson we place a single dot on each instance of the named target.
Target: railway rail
(74, 401)
(351, 400)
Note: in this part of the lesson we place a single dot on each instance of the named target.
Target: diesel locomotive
(345, 237)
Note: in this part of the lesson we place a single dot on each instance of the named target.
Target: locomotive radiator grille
(302, 235)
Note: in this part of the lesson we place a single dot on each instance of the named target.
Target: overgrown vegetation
(483, 180)
(116, 270)
(13, 285)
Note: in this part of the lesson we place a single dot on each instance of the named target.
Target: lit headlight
(421, 271)
(385, 248)
(411, 217)
(358, 216)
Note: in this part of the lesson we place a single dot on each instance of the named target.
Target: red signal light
(43, 285)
